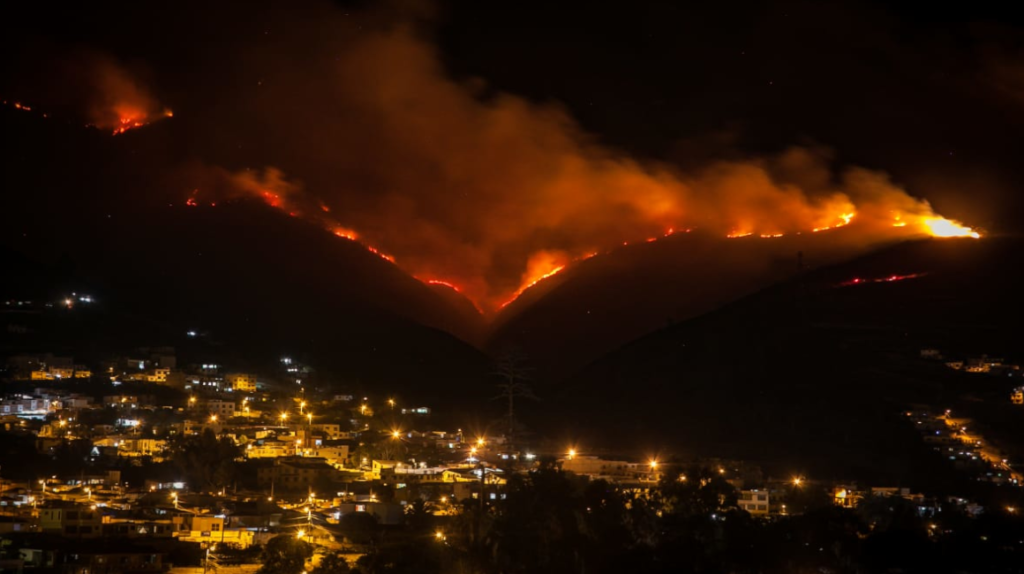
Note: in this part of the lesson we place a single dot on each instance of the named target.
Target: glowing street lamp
(797, 481)
(653, 464)
(284, 417)
(302, 406)
(300, 534)
(395, 434)
(572, 453)
(213, 418)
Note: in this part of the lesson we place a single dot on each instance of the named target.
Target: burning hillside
(355, 125)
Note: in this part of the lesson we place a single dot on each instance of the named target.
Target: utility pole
(514, 374)
(480, 512)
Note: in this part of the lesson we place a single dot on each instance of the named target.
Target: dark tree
(285, 554)
(207, 462)
(332, 563)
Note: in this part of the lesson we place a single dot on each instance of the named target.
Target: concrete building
(223, 409)
(72, 521)
(241, 382)
(755, 502)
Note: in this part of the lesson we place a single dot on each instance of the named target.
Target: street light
(284, 417)
(395, 434)
(213, 418)
(572, 453)
(797, 481)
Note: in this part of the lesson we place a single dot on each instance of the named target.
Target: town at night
(438, 287)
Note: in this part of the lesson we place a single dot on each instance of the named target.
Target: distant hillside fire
(486, 192)
(494, 195)
(121, 103)
(105, 96)
(276, 191)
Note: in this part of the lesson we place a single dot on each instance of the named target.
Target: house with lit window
(755, 501)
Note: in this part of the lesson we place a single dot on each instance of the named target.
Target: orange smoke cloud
(490, 194)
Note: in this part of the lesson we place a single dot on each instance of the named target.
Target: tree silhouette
(285, 554)
(207, 462)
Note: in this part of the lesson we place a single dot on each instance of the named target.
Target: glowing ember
(346, 233)
(889, 279)
(376, 252)
(736, 234)
(942, 227)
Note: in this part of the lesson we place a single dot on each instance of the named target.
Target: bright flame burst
(942, 227)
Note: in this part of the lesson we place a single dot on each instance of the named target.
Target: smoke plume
(490, 192)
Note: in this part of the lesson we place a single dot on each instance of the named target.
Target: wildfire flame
(942, 227)
(273, 190)
(889, 279)
(544, 265)
(451, 286)
(532, 283)
(135, 120)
